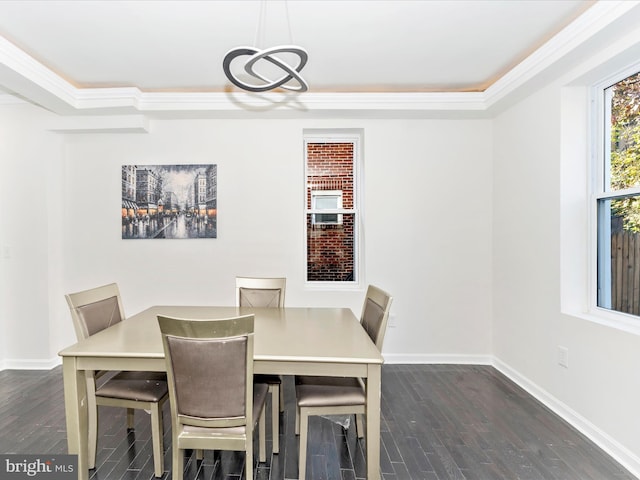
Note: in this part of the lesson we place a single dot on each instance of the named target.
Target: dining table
(319, 341)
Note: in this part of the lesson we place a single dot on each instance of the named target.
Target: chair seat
(329, 391)
(138, 386)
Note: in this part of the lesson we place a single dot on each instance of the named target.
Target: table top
(281, 334)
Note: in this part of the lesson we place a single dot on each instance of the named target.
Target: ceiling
(354, 46)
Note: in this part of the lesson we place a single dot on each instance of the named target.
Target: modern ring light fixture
(255, 55)
(268, 54)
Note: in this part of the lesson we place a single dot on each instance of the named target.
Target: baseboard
(434, 359)
(8, 364)
(617, 451)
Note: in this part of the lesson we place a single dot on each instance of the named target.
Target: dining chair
(215, 403)
(340, 395)
(266, 292)
(92, 311)
(260, 291)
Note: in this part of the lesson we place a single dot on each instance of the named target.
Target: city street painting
(169, 201)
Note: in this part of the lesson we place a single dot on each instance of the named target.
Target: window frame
(356, 137)
(600, 191)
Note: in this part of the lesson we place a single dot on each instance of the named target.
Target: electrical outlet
(392, 321)
(563, 356)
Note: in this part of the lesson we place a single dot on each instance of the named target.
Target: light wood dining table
(287, 341)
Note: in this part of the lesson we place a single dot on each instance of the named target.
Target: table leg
(75, 405)
(374, 381)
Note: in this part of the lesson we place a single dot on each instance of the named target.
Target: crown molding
(301, 104)
(601, 15)
(32, 81)
(100, 124)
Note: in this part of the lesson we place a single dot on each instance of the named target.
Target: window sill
(333, 286)
(619, 321)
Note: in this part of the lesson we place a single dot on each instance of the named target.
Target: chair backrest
(209, 370)
(375, 314)
(95, 309)
(260, 292)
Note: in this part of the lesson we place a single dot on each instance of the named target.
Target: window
(332, 207)
(618, 198)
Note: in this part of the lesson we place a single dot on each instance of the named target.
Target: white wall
(525, 235)
(427, 227)
(540, 240)
(31, 160)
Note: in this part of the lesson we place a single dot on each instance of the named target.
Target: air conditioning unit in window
(329, 200)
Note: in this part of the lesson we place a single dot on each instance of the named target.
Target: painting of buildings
(169, 201)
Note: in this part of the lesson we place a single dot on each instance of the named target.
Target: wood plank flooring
(438, 422)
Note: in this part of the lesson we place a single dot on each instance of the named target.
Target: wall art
(169, 201)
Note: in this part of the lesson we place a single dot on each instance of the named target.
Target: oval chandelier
(255, 55)
(291, 79)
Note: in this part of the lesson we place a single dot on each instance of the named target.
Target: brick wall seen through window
(331, 245)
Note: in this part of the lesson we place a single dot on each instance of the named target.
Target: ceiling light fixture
(291, 80)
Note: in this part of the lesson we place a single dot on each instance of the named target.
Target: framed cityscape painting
(169, 201)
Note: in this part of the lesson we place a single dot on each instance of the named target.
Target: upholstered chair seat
(138, 386)
(329, 391)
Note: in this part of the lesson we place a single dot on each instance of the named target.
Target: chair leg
(276, 391)
(359, 426)
(281, 395)
(262, 436)
(156, 436)
(93, 430)
(302, 455)
(130, 418)
(177, 460)
(248, 462)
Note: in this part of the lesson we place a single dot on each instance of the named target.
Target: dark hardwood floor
(438, 422)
